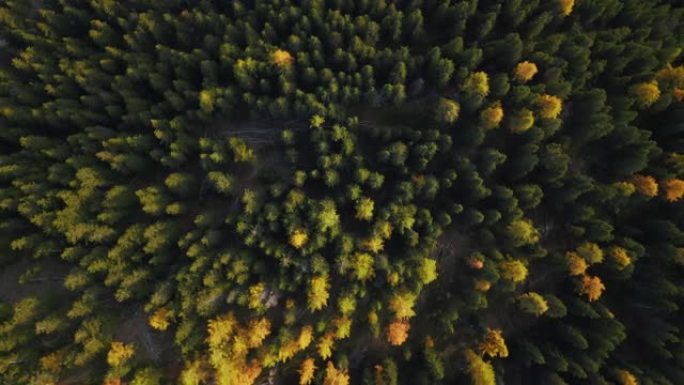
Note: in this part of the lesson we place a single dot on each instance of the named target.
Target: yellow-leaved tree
(220, 329)
(119, 353)
(566, 6)
(402, 304)
(318, 293)
(298, 238)
(674, 189)
(576, 264)
(477, 84)
(305, 337)
(481, 372)
(645, 93)
(256, 294)
(620, 257)
(492, 116)
(229, 347)
(363, 266)
(194, 373)
(513, 270)
(549, 106)
(427, 270)
(670, 74)
(281, 58)
(626, 377)
(159, 320)
(397, 332)
(306, 371)
(533, 303)
(334, 376)
(364, 209)
(494, 344)
(525, 71)
(447, 111)
(678, 94)
(592, 287)
(645, 184)
(325, 345)
(591, 252)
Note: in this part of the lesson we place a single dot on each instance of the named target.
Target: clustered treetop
(341, 192)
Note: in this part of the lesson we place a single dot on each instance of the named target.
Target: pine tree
(521, 121)
(447, 111)
(513, 270)
(533, 303)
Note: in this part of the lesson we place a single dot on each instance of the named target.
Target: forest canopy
(341, 192)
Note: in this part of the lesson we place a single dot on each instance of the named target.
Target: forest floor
(48, 280)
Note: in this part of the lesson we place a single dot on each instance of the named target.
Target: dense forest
(336, 192)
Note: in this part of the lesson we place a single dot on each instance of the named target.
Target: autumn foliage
(525, 71)
(645, 184)
(494, 344)
(549, 106)
(576, 264)
(282, 58)
(566, 6)
(397, 332)
(335, 376)
(645, 93)
(620, 257)
(318, 293)
(159, 320)
(298, 239)
(592, 287)
(674, 189)
(481, 372)
(119, 353)
(306, 371)
(492, 116)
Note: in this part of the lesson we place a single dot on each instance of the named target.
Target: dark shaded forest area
(341, 192)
